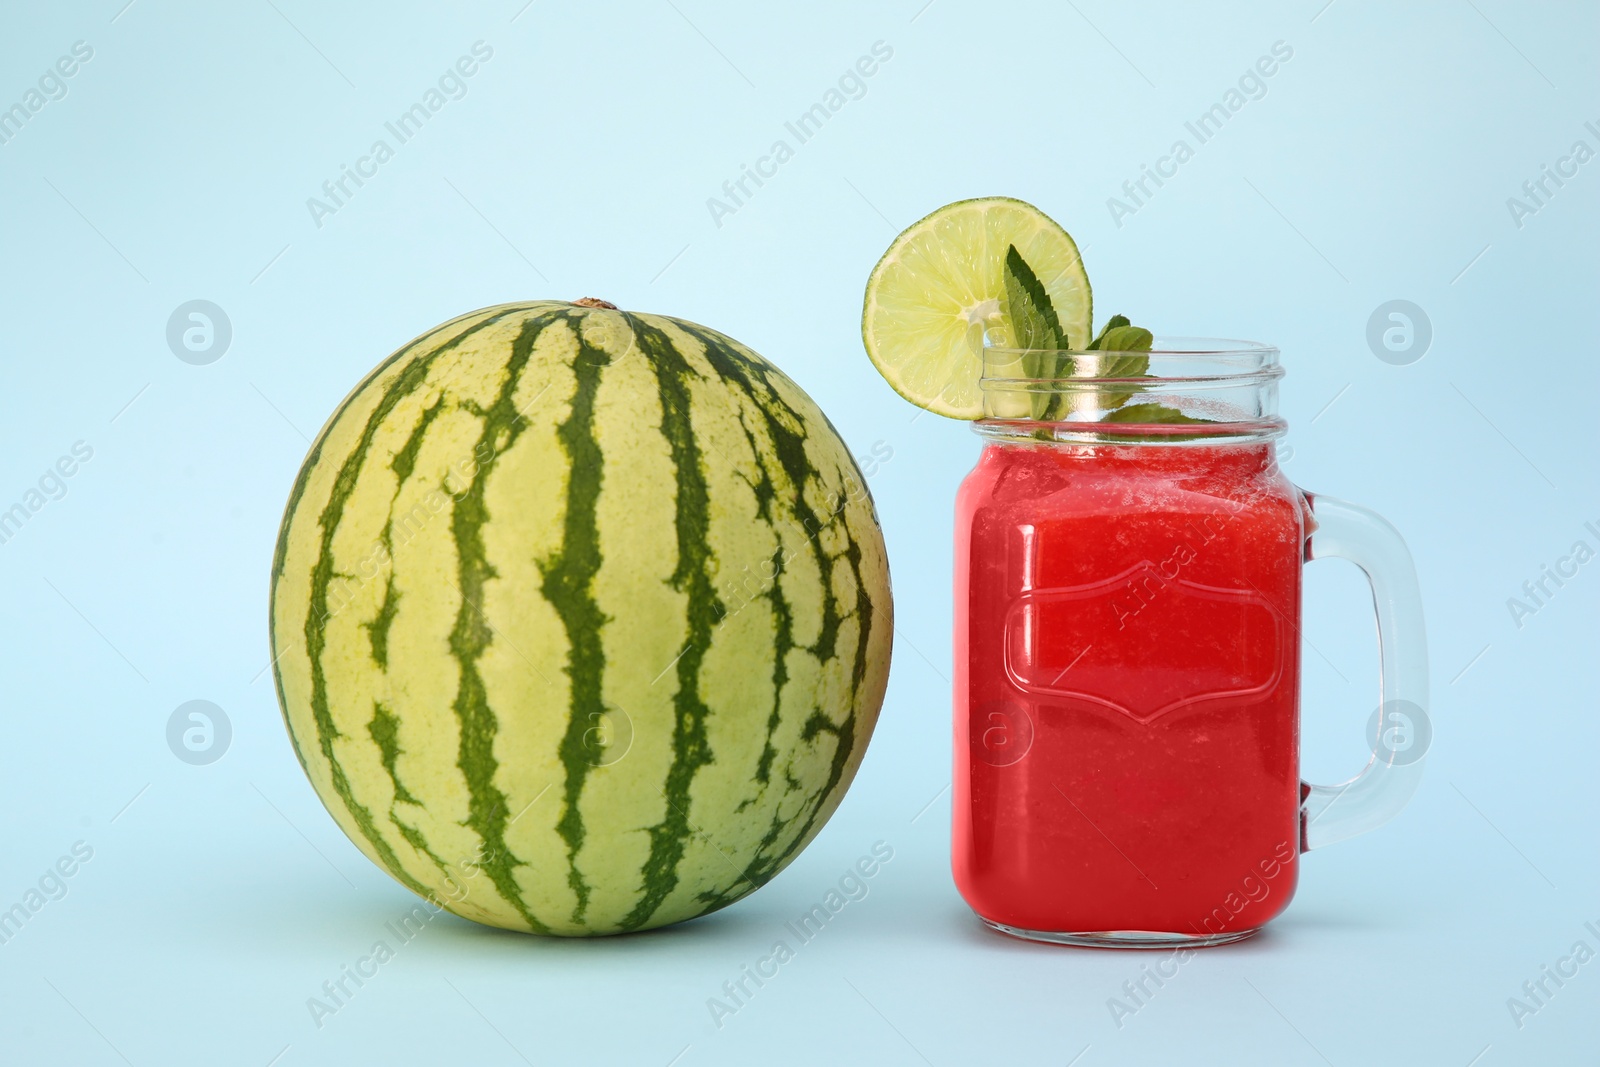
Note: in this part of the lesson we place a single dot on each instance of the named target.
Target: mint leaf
(1126, 339)
(1149, 413)
(1119, 335)
(1114, 322)
(1034, 323)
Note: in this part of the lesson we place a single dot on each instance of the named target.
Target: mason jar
(1127, 633)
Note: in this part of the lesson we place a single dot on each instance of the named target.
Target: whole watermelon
(580, 618)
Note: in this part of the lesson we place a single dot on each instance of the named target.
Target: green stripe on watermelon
(404, 462)
(691, 576)
(782, 643)
(568, 584)
(502, 424)
(384, 730)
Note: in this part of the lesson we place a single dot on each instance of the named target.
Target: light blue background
(1376, 167)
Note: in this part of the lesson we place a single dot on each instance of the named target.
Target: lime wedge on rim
(940, 288)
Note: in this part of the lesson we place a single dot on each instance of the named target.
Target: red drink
(1126, 689)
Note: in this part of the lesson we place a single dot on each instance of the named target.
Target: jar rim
(1183, 345)
(1169, 358)
(1183, 390)
(1164, 346)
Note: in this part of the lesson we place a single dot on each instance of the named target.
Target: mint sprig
(1034, 325)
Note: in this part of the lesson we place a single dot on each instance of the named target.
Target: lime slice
(941, 286)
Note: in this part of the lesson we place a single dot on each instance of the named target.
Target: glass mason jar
(1127, 651)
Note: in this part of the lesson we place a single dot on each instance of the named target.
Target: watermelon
(580, 618)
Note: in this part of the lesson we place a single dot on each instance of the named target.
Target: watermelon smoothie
(1126, 689)
(1127, 599)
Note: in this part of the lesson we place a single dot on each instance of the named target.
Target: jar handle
(1399, 731)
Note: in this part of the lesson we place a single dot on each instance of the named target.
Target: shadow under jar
(1127, 650)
